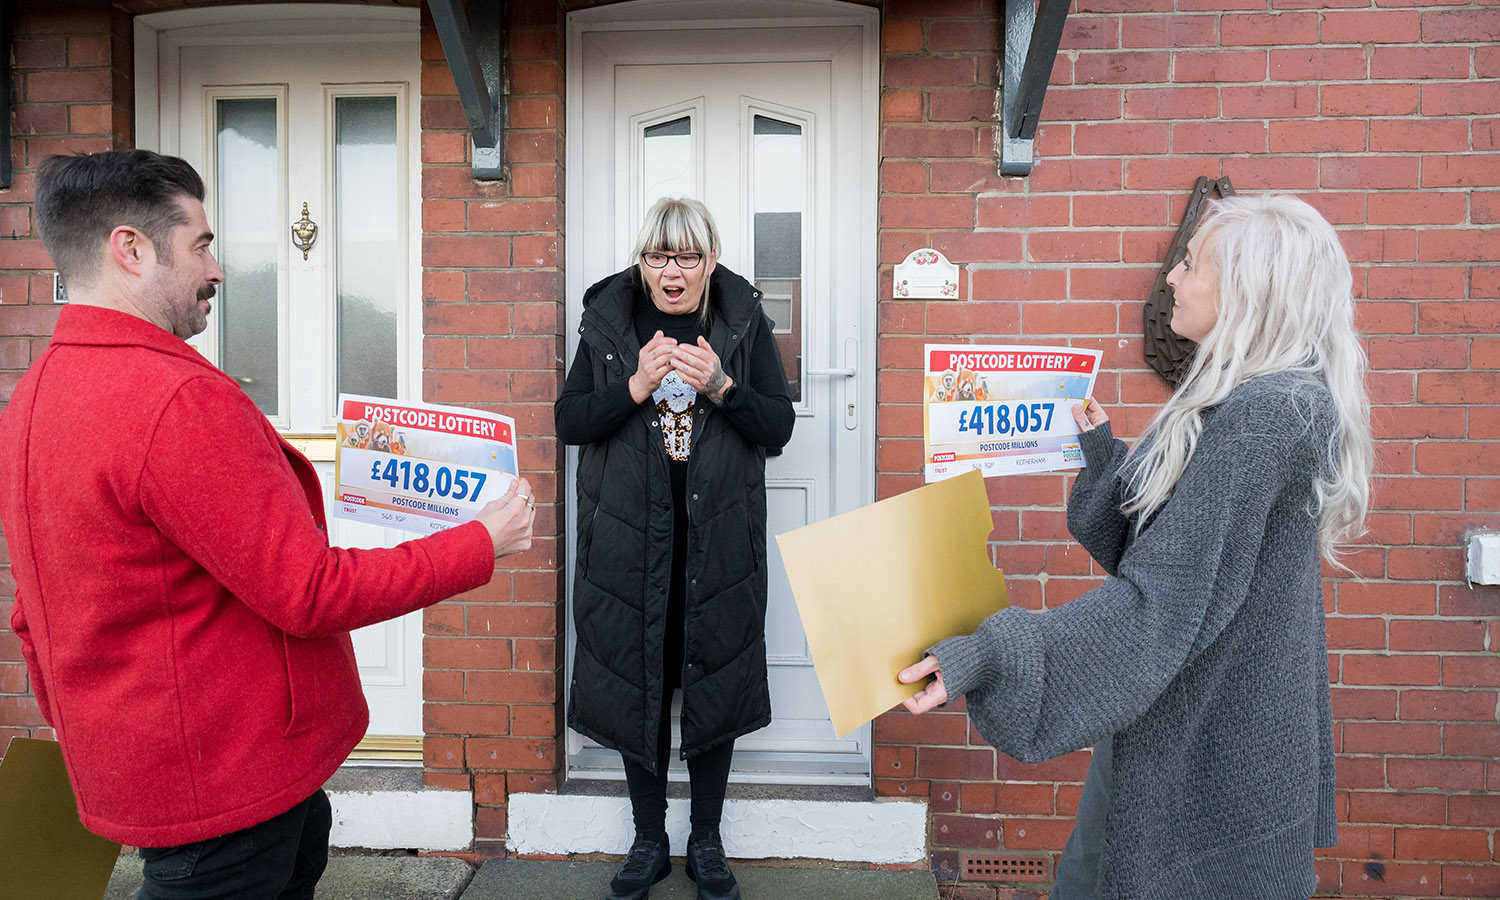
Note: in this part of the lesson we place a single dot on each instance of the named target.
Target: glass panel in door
(368, 252)
(778, 174)
(667, 160)
(248, 231)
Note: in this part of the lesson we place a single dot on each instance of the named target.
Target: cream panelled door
(322, 131)
(764, 126)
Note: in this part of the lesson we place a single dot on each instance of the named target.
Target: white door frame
(390, 652)
(428, 819)
(299, 23)
(857, 478)
(879, 831)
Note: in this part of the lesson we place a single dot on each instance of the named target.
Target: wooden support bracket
(476, 57)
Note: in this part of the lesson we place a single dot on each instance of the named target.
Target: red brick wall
(71, 92)
(1386, 119)
(492, 294)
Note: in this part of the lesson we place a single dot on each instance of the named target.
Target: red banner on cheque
(425, 417)
(1023, 359)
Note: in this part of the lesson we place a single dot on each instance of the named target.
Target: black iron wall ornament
(1030, 34)
(474, 45)
(1168, 352)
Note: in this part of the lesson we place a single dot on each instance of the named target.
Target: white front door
(767, 126)
(309, 114)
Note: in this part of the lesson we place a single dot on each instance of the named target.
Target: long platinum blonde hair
(679, 225)
(1285, 305)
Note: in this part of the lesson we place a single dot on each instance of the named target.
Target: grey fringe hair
(679, 225)
(1285, 304)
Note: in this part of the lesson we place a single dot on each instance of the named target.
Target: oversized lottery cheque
(1003, 409)
(419, 467)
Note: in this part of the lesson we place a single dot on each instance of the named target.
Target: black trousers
(279, 859)
(708, 780)
(708, 773)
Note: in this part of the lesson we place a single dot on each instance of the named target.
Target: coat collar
(608, 304)
(96, 326)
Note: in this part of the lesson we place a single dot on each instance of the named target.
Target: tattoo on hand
(715, 383)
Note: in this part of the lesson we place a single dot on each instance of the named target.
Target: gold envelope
(45, 852)
(879, 585)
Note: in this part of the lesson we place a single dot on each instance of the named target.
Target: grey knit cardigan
(1204, 654)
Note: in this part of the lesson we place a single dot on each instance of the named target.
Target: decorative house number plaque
(926, 274)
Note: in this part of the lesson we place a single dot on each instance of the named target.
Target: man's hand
(509, 518)
(653, 363)
(930, 697)
(700, 367)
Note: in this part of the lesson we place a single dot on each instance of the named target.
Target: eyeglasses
(657, 260)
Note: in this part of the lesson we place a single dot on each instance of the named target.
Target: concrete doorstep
(531, 879)
(349, 878)
(442, 878)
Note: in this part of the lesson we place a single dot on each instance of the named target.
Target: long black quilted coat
(624, 550)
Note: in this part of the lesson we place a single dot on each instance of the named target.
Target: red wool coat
(183, 619)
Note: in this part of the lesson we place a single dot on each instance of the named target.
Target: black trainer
(648, 863)
(708, 868)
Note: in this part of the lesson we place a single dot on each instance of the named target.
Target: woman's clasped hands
(697, 365)
(652, 365)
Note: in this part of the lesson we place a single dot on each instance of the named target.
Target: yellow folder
(45, 852)
(879, 585)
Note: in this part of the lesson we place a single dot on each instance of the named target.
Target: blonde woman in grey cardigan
(1204, 652)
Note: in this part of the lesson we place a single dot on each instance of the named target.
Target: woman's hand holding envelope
(930, 697)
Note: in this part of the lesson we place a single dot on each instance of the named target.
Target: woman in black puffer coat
(676, 395)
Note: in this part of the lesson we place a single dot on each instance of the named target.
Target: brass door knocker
(304, 232)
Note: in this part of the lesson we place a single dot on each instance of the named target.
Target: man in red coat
(184, 620)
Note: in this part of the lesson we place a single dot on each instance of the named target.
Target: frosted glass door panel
(248, 231)
(667, 160)
(779, 175)
(367, 186)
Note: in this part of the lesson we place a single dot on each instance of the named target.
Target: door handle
(850, 411)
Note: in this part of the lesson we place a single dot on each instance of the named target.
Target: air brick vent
(1012, 867)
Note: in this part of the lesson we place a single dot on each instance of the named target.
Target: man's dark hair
(81, 199)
